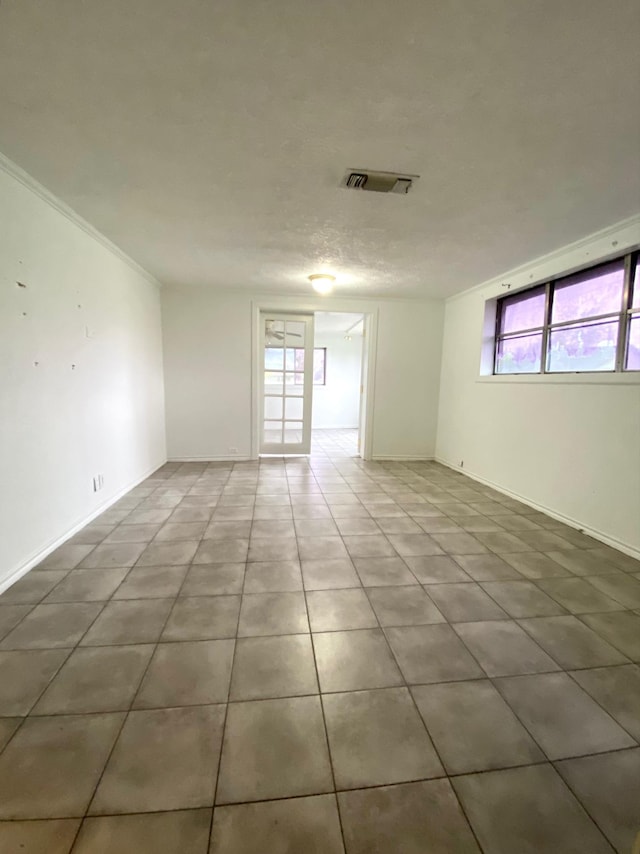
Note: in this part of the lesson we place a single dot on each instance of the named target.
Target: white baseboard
(549, 511)
(237, 458)
(406, 458)
(41, 554)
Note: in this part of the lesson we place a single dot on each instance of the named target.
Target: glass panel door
(287, 383)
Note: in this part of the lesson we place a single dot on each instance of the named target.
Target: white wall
(337, 403)
(569, 444)
(208, 369)
(61, 425)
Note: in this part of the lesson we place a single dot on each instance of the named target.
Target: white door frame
(369, 355)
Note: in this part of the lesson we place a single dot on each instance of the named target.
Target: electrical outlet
(98, 482)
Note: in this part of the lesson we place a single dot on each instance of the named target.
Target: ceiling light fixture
(322, 283)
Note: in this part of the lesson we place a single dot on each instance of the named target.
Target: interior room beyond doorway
(337, 383)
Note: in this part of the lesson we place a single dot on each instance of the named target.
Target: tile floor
(321, 656)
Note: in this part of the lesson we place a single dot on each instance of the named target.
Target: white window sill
(595, 378)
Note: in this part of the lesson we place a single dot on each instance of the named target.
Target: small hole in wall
(73, 367)
(24, 313)
(21, 284)
(35, 364)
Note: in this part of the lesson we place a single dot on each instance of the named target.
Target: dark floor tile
(215, 579)
(88, 585)
(608, 788)
(487, 567)
(329, 574)
(431, 654)
(180, 531)
(352, 660)
(617, 689)
(583, 562)
(527, 810)
(403, 606)
(362, 527)
(383, 571)
(332, 610)
(273, 614)
(165, 759)
(310, 825)
(377, 737)
(49, 626)
(536, 565)
(24, 674)
(571, 643)
(66, 557)
(118, 555)
(321, 548)
(180, 832)
(561, 717)
(32, 587)
(374, 545)
(152, 582)
(625, 589)
(522, 599)
(228, 531)
(170, 554)
(271, 667)
(132, 534)
(621, 629)
(503, 649)
(578, 596)
(459, 544)
(7, 728)
(439, 569)
(187, 674)
(147, 516)
(273, 577)
(10, 616)
(273, 549)
(129, 622)
(274, 749)
(463, 602)
(104, 679)
(473, 728)
(38, 837)
(203, 618)
(51, 766)
(414, 818)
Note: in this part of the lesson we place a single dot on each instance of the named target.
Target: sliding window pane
(589, 294)
(632, 362)
(635, 302)
(588, 347)
(520, 355)
(522, 311)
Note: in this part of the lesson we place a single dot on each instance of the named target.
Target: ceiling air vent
(378, 182)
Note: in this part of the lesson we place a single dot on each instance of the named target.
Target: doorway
(287, 357)
(338, 385)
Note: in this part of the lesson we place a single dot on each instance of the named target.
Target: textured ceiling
(207, 139)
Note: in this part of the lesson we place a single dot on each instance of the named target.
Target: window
(295, 357)
(586, 322)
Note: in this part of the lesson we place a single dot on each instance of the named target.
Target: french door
(286, 356)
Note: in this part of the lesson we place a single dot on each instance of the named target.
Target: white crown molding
(607, 243)
(14, 171)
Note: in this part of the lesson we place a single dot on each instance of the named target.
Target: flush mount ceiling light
(322, 283)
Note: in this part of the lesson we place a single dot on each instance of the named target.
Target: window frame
(624, 317)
